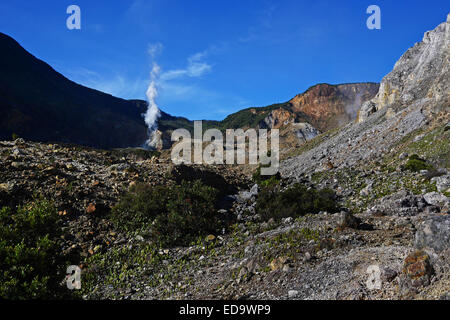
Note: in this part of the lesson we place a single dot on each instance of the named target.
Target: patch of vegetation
(289, 244)
(118, 266)
(271, 182)
(15, 136)
(265, 180)
(295, 201)
(123, 269)
(415, 164)
(245, 118)
(30, 261)
(432, 145)
(387, 184)
(207, 177)
(174, 215)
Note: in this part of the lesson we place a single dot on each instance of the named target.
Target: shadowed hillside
(38, 103)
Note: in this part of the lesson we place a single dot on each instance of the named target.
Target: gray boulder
(366, 110)
(347, 220)
(304, 131)
(436, 199)
(402, 203)
(442, 182)
(245, 196)
(434, 233)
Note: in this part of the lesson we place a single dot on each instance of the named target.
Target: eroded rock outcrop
(305, 131)
(329, 106)
(420, 76)
(277, 118)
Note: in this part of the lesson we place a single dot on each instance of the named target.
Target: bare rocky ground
(397, 214)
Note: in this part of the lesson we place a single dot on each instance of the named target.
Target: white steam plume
(153, 113)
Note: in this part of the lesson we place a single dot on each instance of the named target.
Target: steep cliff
(328, 107)
(413, 100)
(420, 76)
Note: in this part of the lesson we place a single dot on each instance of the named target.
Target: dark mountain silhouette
(40, 104)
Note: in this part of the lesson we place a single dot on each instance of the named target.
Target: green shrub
(295, 201)
(29, 255)
(269, 183)
(259, 178)
(139, 207)
(415, 164)
(15, 136)
(207, 177)
(174, 215)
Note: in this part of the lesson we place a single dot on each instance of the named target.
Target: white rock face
(420, 76)
(305, 131)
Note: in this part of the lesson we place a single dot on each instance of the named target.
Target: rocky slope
(365, 161)
(387, 237)
(315, 256)
(419, 77)
(410, 97)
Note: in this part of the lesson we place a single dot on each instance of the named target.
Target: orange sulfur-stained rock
(90, 208)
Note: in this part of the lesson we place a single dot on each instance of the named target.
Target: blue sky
(217, 57)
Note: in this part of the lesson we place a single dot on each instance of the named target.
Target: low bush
(261, 179)
(207, 177)
(415, 164)
(174, 215)
(295, 201)
(269, 183)
(30, 261)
